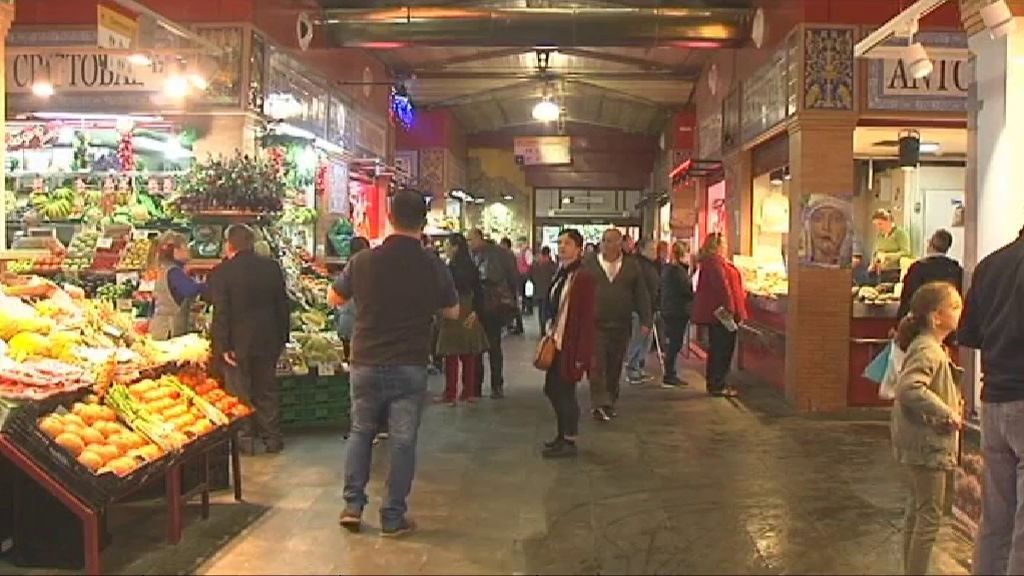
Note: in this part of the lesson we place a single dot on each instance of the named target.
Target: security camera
(998, 19)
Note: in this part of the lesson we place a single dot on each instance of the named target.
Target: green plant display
(238, 183)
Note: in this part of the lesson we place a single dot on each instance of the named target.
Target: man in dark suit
(250, 328)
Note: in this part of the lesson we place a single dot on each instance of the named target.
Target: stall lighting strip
(899, 26)
(286, 129)
(170, 25)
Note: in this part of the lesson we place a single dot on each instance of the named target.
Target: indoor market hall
(511, 287)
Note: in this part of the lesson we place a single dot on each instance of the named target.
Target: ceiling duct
(594, 27)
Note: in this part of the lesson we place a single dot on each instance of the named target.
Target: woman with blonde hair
(719, 292)
(174, 290)
(927, 418)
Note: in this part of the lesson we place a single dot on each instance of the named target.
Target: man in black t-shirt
(993, 322)
(398, 287)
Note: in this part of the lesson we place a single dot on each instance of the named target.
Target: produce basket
(95, 490)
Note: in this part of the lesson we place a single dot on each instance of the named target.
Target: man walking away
(993, 322)
(935, 267)
(621, 291)
(250, 328)
(398, 287)
(676, 305)
(542, 274)
(498, 273)
(640, 344)
(516, 326)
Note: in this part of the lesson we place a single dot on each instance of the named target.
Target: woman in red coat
(572, 325)
(720, 286)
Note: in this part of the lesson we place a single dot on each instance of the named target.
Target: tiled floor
(680, 483)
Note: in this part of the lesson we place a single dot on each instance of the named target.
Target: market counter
(762, 345)
(869, 334)
(762, 340)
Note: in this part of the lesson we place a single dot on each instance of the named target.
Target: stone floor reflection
(680, 483)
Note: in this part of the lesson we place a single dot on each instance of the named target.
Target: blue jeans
(999, 546)
(402, 390)
(639, 348)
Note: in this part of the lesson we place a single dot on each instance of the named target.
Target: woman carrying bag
(720, 303)
(927, 418)
(567, 349)
(462, 341)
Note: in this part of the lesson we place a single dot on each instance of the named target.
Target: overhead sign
(116, 31)
(78, 72)
(543, 150)
(892, 88)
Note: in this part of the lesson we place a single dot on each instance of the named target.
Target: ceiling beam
(482, 95)
(641, 63)
(443, 63)
(618, 93)
(573, 120)
(524, 74)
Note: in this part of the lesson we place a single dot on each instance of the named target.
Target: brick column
(6, 18)
(818, 322)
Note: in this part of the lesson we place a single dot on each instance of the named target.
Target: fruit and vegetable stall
(93, 410)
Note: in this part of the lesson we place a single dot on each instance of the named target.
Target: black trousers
(255, 381)
(562, 395)
(493, 328)
(675, 331)
(542, 313)
(721, 347)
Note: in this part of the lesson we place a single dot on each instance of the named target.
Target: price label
(104, 243)
(122, 277)
(147, 285)
(140, 234)
(325, 369)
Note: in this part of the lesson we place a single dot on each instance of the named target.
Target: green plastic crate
(324, 413)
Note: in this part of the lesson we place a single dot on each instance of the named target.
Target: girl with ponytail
(927, 417)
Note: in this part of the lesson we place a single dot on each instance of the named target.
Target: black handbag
(499, 302)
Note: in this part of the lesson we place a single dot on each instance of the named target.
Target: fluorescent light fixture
(507, 198)
(998, 19)
(286, 129)
(546, 111)
(140, 59)
(198, 82)
(85, 116)
(479, 200)
(918, 63)
(930, 148)
(176, 86)
(43, 89)
(567, 200)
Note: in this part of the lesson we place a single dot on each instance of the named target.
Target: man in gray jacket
(498, 271)
(621, 292)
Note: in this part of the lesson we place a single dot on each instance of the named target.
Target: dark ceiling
(627, 65)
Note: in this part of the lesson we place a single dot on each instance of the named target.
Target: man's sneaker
(601, 415)
(611, 412)
(402, 527)
(564, 449)
(351, 520)
(673, 382)
(554, 442)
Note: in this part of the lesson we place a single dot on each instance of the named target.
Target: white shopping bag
(887, 389)
(528, 289)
